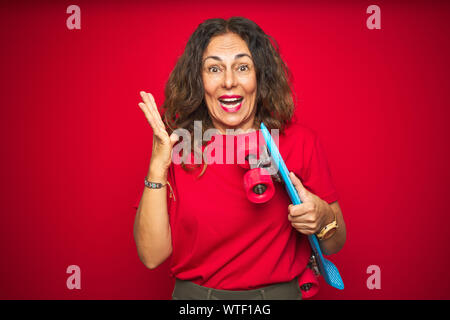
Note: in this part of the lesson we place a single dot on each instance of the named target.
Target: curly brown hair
(184, 91)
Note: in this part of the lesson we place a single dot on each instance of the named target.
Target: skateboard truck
(258, 184)
(308, 281)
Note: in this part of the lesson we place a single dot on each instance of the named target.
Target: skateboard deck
(326, 267)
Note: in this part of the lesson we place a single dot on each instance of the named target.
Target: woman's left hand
(312, 214)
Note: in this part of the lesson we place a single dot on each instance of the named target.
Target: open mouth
(231, 104)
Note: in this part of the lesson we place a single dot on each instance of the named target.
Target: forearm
(336, 242)
(151, 227)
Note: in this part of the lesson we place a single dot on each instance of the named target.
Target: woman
(222, 245)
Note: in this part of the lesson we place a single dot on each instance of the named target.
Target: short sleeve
(317, 177)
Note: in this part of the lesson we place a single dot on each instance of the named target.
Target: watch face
(329, 234)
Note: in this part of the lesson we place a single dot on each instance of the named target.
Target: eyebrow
(240, 55)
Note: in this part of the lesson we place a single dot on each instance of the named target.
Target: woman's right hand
(162, 143)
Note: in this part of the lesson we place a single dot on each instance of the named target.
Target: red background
(76, 146)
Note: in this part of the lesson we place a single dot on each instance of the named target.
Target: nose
(229, 79)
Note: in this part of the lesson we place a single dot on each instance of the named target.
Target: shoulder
(297, 144)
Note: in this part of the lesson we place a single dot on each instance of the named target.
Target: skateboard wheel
(308, 283)
(258, 185)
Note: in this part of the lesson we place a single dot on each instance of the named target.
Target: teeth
(231, 100)
(231, 105)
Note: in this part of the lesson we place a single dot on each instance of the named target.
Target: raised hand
(162, 143)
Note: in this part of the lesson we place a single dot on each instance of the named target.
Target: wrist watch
(329, 230)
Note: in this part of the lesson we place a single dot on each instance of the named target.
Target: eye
(243, 67)
(214, 69)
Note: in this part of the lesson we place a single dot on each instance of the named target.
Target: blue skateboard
(326, 267)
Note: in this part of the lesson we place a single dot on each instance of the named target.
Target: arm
(151, 226)
(337, 241)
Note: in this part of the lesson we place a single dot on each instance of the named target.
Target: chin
(235, 125)
(232, 122)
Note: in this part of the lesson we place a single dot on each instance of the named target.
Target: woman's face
(229, 80)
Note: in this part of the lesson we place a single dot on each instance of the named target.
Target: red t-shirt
(221, 240)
